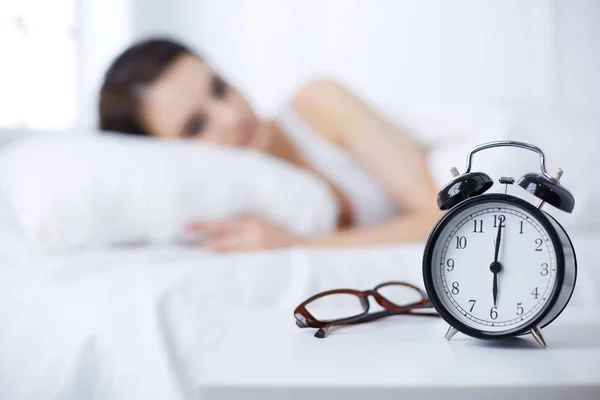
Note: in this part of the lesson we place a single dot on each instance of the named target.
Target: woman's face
(190, 101)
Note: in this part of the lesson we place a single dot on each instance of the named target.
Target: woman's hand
(243, 234)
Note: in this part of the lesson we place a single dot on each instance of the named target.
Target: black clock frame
(557, 236)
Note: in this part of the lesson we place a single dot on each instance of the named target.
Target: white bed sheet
(110, 324)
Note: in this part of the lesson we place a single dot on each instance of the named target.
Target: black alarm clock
(496, 266)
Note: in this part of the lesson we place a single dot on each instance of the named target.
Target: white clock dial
(464, 252)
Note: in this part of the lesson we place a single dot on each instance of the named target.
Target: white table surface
(264, 355)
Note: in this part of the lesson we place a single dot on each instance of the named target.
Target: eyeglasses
(352, 306)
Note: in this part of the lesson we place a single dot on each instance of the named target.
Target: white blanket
(111, 324)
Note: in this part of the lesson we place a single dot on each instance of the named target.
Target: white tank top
(369, 202)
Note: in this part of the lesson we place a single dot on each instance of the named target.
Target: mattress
(110, 323)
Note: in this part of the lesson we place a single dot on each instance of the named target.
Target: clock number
(520, 309)
(478, 226)
(461, 242)
(494, 313)
(472, 305)
(499, 219)
(535, 293)
(521, 231)
(450, 264)
(539, 243)
(455, 289)
(544, 270)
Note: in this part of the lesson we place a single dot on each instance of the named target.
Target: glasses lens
(400, 295)
(335, 306)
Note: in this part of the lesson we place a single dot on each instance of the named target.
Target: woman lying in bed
(379, 175)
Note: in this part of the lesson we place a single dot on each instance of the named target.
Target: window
(38, 64)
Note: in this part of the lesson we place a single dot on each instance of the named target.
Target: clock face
(494, 266)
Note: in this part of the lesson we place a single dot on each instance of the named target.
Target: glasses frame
(304, 319)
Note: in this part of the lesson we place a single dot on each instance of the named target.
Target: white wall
(540, 53)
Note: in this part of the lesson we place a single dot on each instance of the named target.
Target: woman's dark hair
(138, 66)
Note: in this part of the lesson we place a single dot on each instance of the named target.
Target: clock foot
(451, 332)
(537, 334)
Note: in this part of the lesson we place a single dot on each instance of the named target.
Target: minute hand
(498, 239)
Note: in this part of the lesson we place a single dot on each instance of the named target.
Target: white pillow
(14, 246)
(97, 190)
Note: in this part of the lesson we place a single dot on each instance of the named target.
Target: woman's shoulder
(321, 87)
(320, 103)
(322, 95)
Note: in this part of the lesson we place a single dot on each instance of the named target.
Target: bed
(107, 323)
(104, 312)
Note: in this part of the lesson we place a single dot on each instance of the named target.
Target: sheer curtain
(52, 57)
(38, 67)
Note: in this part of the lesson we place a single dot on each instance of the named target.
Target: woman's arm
(393, 158)
(414, 226)
(254, 233)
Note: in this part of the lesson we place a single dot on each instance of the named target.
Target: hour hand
(495, 288)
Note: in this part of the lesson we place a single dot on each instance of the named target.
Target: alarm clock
(497, 266)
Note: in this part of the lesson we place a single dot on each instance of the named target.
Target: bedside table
(264, 355)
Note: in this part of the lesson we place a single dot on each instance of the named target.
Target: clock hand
(495, 266)
(495, 288)
(498, 239)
